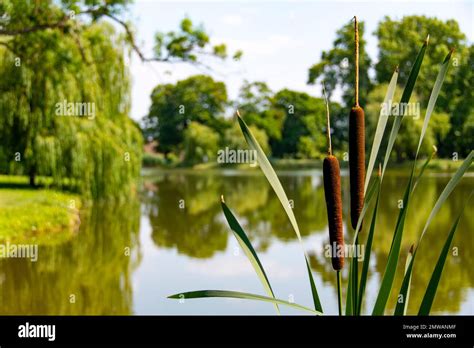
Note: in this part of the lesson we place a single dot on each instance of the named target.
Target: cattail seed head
(332, 192)
(356, 162)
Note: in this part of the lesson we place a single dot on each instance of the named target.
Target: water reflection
(176, 235)
(88, 275)
(198, 230)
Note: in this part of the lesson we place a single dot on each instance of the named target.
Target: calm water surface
(127, 258)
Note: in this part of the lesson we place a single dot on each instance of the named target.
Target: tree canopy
(196, 99)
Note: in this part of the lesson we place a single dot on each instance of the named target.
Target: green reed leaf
(392, 262)
(442, 198)
(275, 183)
(239, 295)
(401, 307)
(381, 124)
(433, 97)
(406, 95)
(368, 250)
(248, 249)
(430, 293)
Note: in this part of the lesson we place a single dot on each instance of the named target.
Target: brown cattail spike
(332, 192)
(356, 143)
(356, 162)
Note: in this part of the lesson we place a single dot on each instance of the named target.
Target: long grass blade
(368, 249)
(381, 124)
(447, 191)
(403, 297)
(430, 293)
(351, 295)
(239, 295)
(406, 95)
(392, 262)
(275, 183)
(434, 96)
(248, 249)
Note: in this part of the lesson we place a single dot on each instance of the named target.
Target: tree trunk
(32, 176)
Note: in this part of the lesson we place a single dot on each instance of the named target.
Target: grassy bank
(41, 215)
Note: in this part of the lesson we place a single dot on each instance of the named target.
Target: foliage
(398, 42)
(101, 150)
(233, 138)
(336, 65)
(198, 98)
(304, 119)
(255, 102)
(200, 143)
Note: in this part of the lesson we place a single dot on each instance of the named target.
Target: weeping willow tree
(99, 152)
(68, 53)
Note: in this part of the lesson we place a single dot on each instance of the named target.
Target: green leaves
(433, 97)
(246, 246)
(390, 269)
(381, 124)
(442, 198)
(407, 91)
(436, 276)
(389, 274)
(240, 295)
(447, 190)
(274, 182)
(403, 297)
(368, 249)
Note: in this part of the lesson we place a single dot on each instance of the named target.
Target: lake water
(125, 259)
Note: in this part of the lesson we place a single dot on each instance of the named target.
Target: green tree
(45, 69)
(198, 98)
(399, 41)
(255, 104)
(234, 139)
(303, 130)
(200, 143)
(336, 66)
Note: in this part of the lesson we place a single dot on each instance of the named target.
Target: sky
(281, 40)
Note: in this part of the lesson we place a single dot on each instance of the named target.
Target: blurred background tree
(196, 99)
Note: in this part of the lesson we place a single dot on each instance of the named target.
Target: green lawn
(41, 216)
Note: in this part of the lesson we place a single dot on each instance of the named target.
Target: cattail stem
(328, 130)
(339, 294)
(356, 53)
